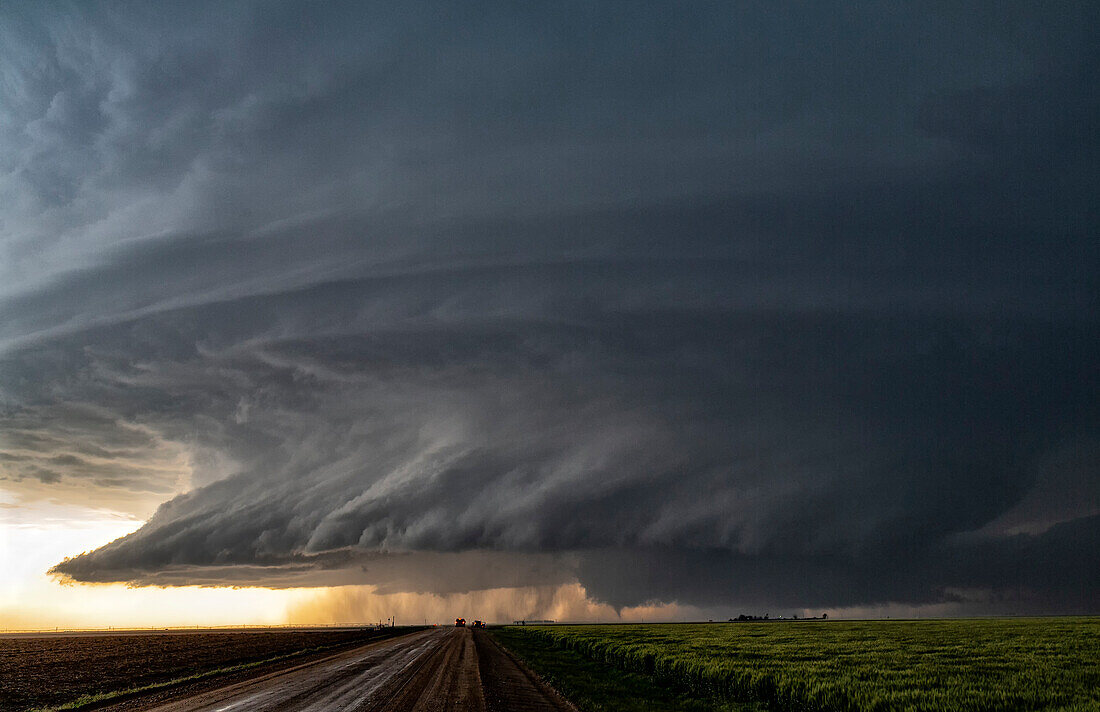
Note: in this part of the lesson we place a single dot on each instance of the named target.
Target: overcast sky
(715, 304)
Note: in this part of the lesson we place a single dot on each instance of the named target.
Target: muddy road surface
(438, 669)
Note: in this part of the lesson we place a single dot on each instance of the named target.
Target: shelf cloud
(711, 305)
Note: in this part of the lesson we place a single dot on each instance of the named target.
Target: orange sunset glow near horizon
(33, 600)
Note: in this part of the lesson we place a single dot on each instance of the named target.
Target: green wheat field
(986, 664)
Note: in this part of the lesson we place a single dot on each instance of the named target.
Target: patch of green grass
(600, 687)
(1010, 665)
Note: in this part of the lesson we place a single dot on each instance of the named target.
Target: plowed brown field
(53, 669)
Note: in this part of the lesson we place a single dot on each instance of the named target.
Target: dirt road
(438, 669)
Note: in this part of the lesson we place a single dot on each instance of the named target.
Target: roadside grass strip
(1048, 664)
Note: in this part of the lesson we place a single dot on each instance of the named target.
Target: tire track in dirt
(430, 671)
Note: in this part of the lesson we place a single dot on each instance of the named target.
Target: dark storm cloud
(672, 429)
(1050, 573)
(707, 303)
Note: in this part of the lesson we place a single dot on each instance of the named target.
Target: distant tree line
(743, 617)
